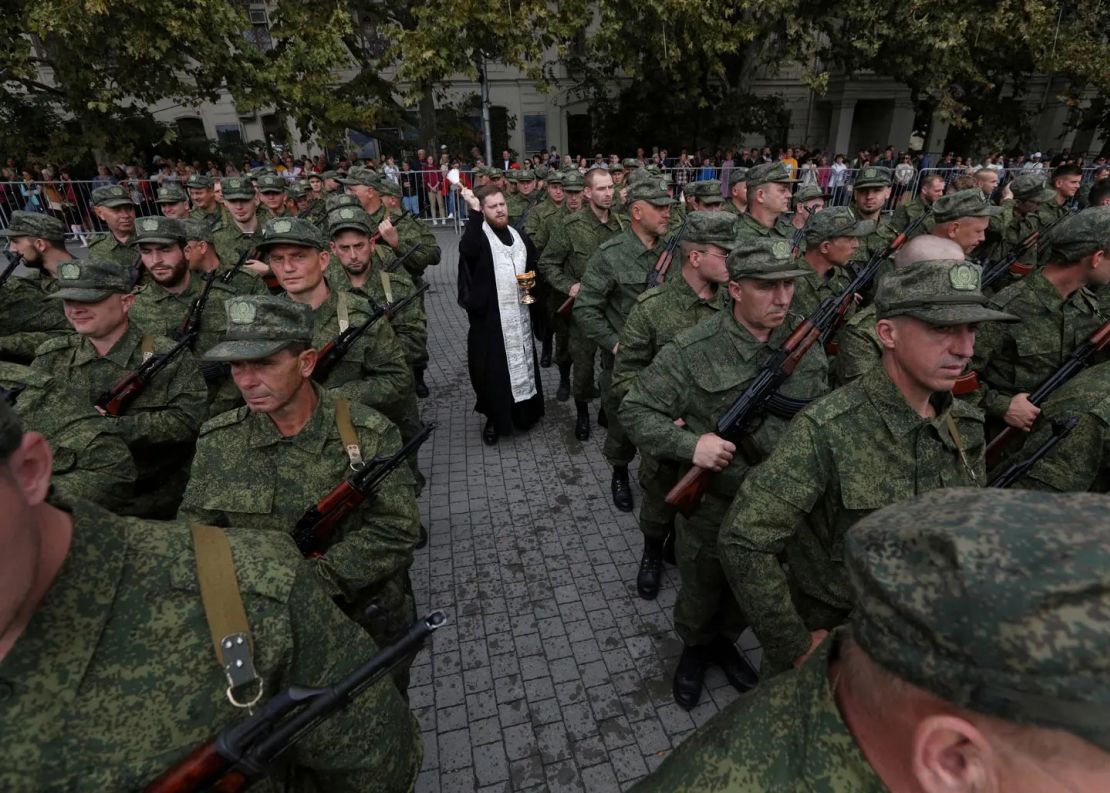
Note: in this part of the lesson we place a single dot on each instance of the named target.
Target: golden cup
(527, 281)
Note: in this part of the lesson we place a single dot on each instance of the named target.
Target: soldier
(986, 181)
(1099, 177)
(315, 209)
(878, 440)
(1059, 311)
(1066, 181)
(173, 202)
(1016, 220)
(929, 189)
(768, 201)
(527, 198)
(91, 460)
(245, 219)
(373, 371)
(538, 227)
(113, 205)
(970, 664)
(160, 426)
(660, 314)
(332, 185)
(620, 186)
(832, 237)
(206, 204)
(116, 599)
(696, 379)
(201, 256)
(273, 192)
(563, 264)
(963, 217)
(737, 203)
(297, 194)
(704, 195)
(262, 465)
(26, 318)
(808, 201)
(869, 195)
(615, 276)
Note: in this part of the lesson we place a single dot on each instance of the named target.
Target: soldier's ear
(30, 464)
(887, 331)
(951, 755)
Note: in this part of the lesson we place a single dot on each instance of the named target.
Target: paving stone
(519, 741)
(527, 773)
(454, 750)
(563, 777)
(490, 764)
(600, 779)
(553, 742)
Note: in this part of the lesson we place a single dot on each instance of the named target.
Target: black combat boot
(651, 569)
(421, 389)
(602, 419)
(738, 671)
(582, 423)
(689, 677)
(489, 434)
(563, 392)
(545, 354)
(622, 490)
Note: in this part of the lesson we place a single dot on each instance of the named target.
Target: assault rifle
(796, 239)
(136, 270)
(1060, 430)
(332, 353)
(1072, 365)
(314, 530)
(762, 395)
(242, 753)
(229, 274)
(13, 262)
(190, 323)
(116, 399)
(659, 273)
(1009, 263)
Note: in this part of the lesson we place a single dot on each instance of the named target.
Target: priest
(501, 355)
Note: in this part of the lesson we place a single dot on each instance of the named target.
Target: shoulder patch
(837, 403)
(226, 419)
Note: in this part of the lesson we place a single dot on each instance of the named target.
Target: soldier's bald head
(925, 248)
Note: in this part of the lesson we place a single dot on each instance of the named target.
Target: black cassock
(485, 348)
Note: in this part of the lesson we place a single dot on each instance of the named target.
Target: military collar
(829, 752)
(313, 436)
(686, 295)
(747, 345)
(897, 414)
(1045, 293)
(59, 643)
(121, 351)
(158, 293)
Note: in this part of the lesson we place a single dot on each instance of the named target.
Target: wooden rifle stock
(658, 274)
(127, 389)
(567, 307)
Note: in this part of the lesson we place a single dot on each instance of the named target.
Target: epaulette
(61, 342)
(837, 403)
(650, 293)
(1009, 294)
(706, 329)
(612, 242)
(226, 419)
(369, 418)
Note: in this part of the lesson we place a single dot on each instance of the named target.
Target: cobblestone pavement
(552, 674)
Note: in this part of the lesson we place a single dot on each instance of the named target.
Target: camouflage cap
(707, 191)
(512, 175)
(555, 177)
(34, 224)
(616, 167)
(997, 601)
(940, 292)
(111, 195)
(271, 183)
(835, 222)
(963, 204)
(349, 219)
(542, 172)
(653, 191)
(171, 194)
(737, 175)
(1031, 187)
(653, 169)
(91, 280)
(359, 174)
(237, 188)
(573, 182)
(330, 175)
(11, 432)
(197, 230)
(767, 172)
(1080, 235)
(297, 191)
(711, 228)
(763, 259)
(641, 175)
(337, 200)
(873, 176)
(631, 163)
(259, 326)
(808, 192)
(200, 181)
(159, 229)
(387, 186)
(525, 175)
(291, 231)
(494, 173)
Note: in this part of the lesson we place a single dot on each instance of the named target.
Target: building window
(229, 134)
(191, 130)
(535, 133)
(258, 33)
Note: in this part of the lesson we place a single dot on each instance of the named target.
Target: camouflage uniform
(241, 281)
(216, 216)
(746, 225)
(884, 232)
(27, 318)
(115, 678)
(697, 378)
(907, 213)
(858, 347)
(616, 274)
(735, 175)
(160, 426)
(229, 240)
(91, 459)
(858, 449)
(1007, 229)
(246, 473)
(957, 592)
(108, 247)
(542, 220)
(811, 289)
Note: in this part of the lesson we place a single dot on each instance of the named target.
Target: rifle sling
(347, 432)
(387, 286)
(959, 442)
(146, 344)
(342, 311)
(227, 618)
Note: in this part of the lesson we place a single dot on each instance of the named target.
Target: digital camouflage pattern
(410, 325)
(787, 736)
(34, 224)
(111, 195)
(159, 311)
(1015, 358)
(876, 241)
(812, 289)
(697, 378)
(747, 226)
(244, 281)
(541, 221)
(418, 245)
(115, 677)
(907, 213)
(939, 292)
(27, 318)
(247, 474)
(91, 459)
(993, 600)
(963, 204)
(858, 347)
(160, 426)
(231, 241)
(125, 254)
(852, 452)
(1080, 461)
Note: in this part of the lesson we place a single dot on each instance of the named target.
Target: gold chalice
(527, 281)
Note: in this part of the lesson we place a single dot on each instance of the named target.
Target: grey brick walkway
(553, 674)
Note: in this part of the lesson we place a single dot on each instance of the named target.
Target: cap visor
(82, 295)
(712, 199)
(156, 240)
(116, 202)
(245, 350)
(944, 316)
(238, 196)
(272, 241)
(780, 275)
